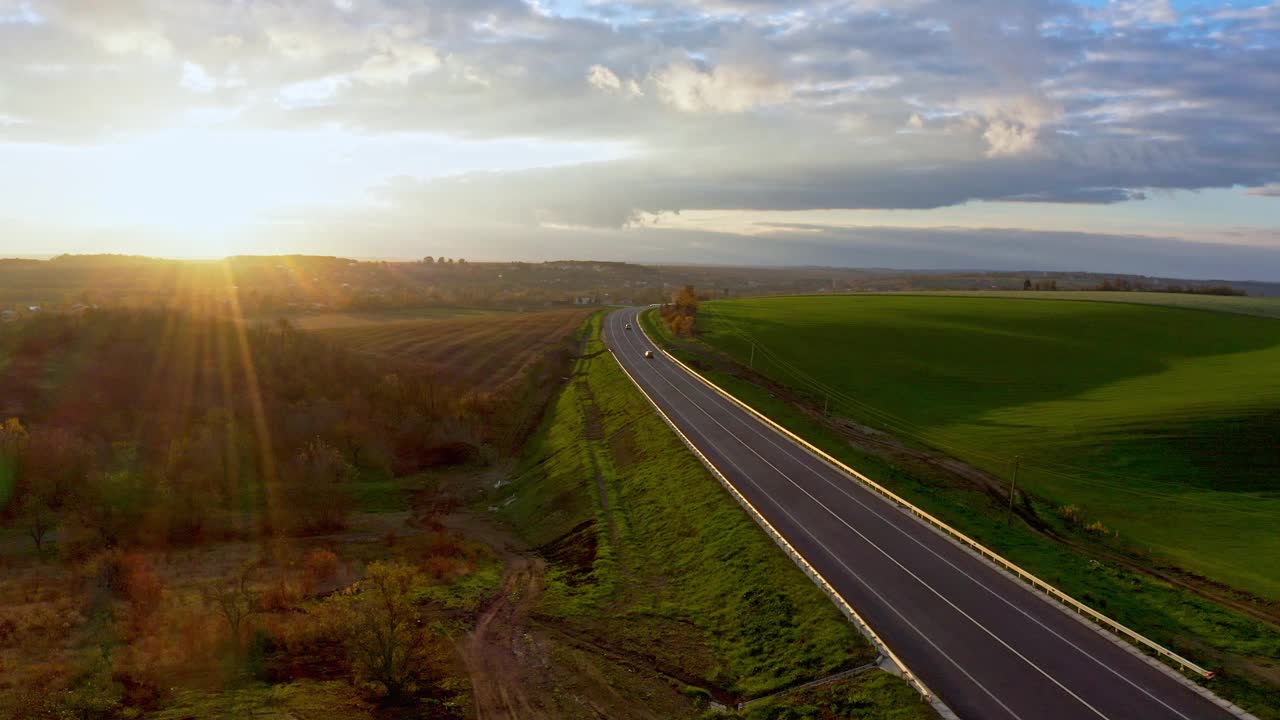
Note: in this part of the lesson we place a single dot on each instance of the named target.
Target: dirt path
(526, 667)
(497, 653)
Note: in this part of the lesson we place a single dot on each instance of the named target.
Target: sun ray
(269, 471)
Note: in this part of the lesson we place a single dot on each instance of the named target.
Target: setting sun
(639, 359)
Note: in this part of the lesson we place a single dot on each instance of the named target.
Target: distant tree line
(1126, 285)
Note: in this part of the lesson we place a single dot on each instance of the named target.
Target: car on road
(627, 326)
(648, 354)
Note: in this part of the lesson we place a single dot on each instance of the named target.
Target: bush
(314, 491)
(386, 642)
(281, 595)
(142, 588)
(319, 567)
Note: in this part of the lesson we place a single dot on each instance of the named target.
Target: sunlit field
(184, 494)
(335, 320)
(1243, 305)
(1156, 423)
(484, 350)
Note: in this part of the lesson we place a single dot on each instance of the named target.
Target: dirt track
(499, 652)
(532, 669)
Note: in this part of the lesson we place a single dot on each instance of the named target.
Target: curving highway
(985, 644)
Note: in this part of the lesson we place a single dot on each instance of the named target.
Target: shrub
(281, 595)
(383, 629)
(141, 588)
(1071, 514)
(314, 490)
(319, 567)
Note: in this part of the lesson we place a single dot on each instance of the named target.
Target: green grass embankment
(1159, 423)
(665, 563)
(1238, 304)
(1206, 631)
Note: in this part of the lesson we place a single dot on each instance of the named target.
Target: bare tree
(39, 518)
(235, 600)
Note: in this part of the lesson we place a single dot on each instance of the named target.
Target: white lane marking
(786, 448)
(672, 408)
(883, 552)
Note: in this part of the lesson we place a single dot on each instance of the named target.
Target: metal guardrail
(881, 647)
(985, 552)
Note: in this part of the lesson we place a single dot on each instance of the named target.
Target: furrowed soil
(481, 351)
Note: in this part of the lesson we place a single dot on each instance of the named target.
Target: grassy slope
(1260, 306)
(1203, 630)
(679, 570)
(1158, 422)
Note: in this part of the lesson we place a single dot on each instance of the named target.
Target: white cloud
(1140, 12)
(602, 78)
(145, 42)
(728, 88)
(312, 93)
(1013, 125)
(195, 79)
(396, 61)
(756, 103)
(606, 80)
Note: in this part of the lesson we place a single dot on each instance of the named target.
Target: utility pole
(1013, 484)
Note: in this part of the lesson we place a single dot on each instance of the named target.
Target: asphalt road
(987, 645)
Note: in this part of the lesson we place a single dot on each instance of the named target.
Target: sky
(1138, 136)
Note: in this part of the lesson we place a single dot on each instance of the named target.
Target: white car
(627, 326)
(648, 354)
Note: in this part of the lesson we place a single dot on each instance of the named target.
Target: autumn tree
(316, 489)
(13, 440)
(54, 465)
(681, 313)
(384, 634)
(112, 507)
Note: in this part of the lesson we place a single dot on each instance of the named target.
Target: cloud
(728, 87)
(385, 231)
(606, 80)
(1265, 191)
(396, 60)
(726, 104)
(1123, 13)
(1090, 196)
(602, 78)
(195, 79)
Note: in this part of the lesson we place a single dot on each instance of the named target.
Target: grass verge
(1246, 650)
(648, 552)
